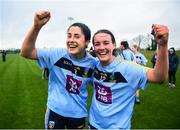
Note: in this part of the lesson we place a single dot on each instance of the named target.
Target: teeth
(102, 53)
(72, 46)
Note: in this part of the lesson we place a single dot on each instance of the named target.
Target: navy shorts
(56, 121)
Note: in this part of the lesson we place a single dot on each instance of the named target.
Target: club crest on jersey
(114, 77)
(73, 85)
(51, 124)
(76, 69)
(103, 76)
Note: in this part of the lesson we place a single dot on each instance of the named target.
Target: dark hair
(125, 44)
(85, 30)
(107, 32)
(172, 48)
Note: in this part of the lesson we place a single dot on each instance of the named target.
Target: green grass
(160, 107)
(23, 96)
(22, 92)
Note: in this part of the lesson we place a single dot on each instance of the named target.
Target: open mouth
(104, 52)
(72, 46)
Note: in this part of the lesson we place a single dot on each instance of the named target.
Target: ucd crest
(51, 124)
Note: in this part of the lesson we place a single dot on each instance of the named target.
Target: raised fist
(41, 18)
(161, 33)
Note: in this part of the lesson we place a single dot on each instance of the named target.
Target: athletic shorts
(56, 121)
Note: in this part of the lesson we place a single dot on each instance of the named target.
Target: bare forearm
(161, 66)
(28, 49)
(160, 71)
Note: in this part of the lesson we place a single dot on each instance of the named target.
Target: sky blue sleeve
(47, 57)
(42, 55)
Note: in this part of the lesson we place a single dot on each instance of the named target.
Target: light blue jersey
(68, 79)
(127, 54)
(114, 93)
(140, 58)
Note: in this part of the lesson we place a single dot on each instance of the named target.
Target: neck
(79, 56)
(106, 63)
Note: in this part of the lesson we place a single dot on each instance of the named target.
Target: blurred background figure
(173, 65)
(142, 60)
(126, 52)
(153, 59)
(3, 55)
(153, 41)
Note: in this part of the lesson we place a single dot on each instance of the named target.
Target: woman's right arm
(28, 49)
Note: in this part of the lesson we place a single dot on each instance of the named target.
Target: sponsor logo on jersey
(103, 93)
(77, 70)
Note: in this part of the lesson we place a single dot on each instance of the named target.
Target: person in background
(153, 59)
(140, 59)
(4, 55)
(70, 72)
(153, 41)
(173, 66)
(126, 52)
(115, 80)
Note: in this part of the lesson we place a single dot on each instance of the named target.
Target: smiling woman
(115, 80)
(104, 46)
(70, 72)
(23, 98)
(78, 40)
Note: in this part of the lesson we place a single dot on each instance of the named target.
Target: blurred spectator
(3, 55)
(154, 58)
(153, 41)
(140, 59)
(126, 52)
(173, 65)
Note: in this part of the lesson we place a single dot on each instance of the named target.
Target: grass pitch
(23, 96)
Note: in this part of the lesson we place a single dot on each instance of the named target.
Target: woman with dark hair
(115, 80)
(173, 65)
(126, 52)
(70, 71)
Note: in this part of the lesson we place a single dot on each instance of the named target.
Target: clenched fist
(161, 33)
(41, 18)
